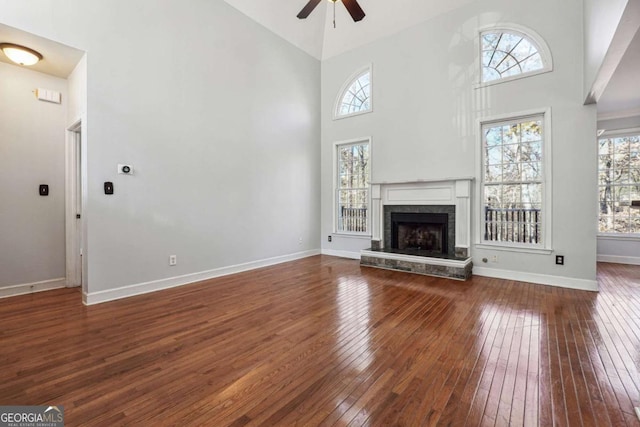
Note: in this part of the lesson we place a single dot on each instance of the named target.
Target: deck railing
(512, 225)
(353, 220)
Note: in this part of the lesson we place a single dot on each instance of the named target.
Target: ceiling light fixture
(20, 54)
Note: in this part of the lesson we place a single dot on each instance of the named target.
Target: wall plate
(125, 169)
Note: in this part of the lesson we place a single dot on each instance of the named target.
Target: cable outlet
(173, 260)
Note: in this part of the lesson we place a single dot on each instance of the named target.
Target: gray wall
(32, 239)
(601, 18)
(219, 118)
(426, 112)
(623, 249)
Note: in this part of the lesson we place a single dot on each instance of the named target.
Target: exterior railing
(353, 220)
(512, 225)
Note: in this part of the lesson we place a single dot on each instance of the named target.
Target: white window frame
(336, 145)
(615, 133)
(535, 38)
(547, 184)
(346, 85)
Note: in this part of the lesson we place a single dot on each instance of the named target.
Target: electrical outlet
(329, 239)
(560, 259)
(300, 240)
(173, 260)
(494, 258)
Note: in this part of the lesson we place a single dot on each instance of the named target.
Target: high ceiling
(316, 36)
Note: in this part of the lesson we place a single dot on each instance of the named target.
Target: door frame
(75, 157)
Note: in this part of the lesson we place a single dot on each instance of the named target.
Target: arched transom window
(507, 54)
(355, 98)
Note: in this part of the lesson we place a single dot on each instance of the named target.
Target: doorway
(74, 208)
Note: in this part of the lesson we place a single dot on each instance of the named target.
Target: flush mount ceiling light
(20, 54)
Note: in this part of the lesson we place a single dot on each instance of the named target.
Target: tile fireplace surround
(427, 194)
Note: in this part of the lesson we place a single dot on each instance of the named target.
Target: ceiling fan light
(20, 54)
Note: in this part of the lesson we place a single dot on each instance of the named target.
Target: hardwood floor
(321, 341)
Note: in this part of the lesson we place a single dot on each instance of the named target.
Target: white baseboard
(30, 288)
(616, 259)
(91, 298)
(542, 279)
(341, 254)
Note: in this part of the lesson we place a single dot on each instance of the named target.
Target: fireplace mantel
(454, 192)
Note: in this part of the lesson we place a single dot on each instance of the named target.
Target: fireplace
(431, 222)
(423, 232)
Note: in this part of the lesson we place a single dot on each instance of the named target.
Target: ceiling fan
(352, 6)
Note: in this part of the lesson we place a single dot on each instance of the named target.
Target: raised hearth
(453, 268)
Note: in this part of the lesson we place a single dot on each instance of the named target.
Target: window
(513, 181)
(355, 98)
(619, 184)
(507, 54)
(352, 188)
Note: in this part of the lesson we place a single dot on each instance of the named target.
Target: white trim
(616, 259)
(72, 227)
(354, 141)
(511, 247)
(30, 288)
(529, 34)
(618, 133)
(362, 236)
(341, 254)
(547, 185)
(360, 72)
(172, 282)
(624, 114)
(635, 237)
(426, 181)
(541, 279)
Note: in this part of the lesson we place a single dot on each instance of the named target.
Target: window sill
(481, 85)
(357, 113)
(635, 237)
(353, 235)
(509, 248)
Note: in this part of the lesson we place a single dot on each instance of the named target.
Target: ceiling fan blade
(354, 9)
(308, 8)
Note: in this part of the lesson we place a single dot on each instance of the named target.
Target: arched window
(510, 53)
(355, 96)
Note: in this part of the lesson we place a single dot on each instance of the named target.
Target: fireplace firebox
(426, 232)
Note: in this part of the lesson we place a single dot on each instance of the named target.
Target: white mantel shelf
(417, 181)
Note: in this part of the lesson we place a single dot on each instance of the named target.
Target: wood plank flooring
(321, 341)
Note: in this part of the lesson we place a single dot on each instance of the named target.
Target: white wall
(425, 118)
(621, 249)
(601, 18)
(219, 118)
(31, 153)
